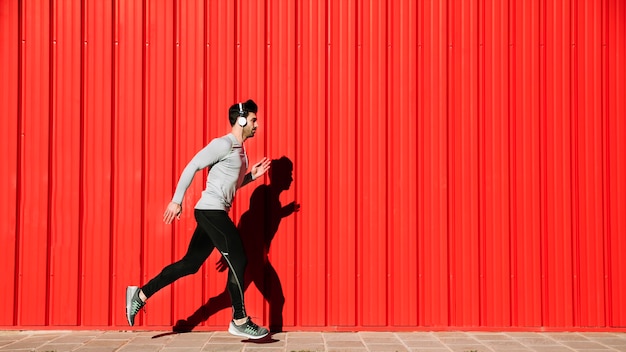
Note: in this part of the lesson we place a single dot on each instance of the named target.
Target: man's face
(250, 129)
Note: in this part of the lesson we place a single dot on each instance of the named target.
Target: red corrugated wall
(459, 164)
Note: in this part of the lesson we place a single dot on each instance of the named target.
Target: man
(228, 162)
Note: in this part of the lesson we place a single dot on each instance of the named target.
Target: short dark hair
(248, 107)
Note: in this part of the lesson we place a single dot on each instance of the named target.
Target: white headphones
(242, 121)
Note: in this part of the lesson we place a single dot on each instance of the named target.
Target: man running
(226, 157)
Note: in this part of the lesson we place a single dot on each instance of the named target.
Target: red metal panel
(463, 160)
(278, 276)
(96, 163)
(590, 148)
(9, 144)
(526, 305)
(340, 164)
(65, 145)
(159, 103)
(402, 170)
(615, 188)
(189, 139)
(127, 157)
(34, 168)
(432, 116)
(372, 181)
(558, 238)
(459, 164)
(495, 196)
(312, 103)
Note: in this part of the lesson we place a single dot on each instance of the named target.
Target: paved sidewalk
(145, 341)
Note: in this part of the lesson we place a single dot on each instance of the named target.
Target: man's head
(243, 115)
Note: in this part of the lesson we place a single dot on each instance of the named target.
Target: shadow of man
(257, 228)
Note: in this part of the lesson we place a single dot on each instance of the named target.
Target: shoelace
(136, 306)
(252, 328)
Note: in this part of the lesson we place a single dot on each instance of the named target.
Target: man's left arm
(257, 171)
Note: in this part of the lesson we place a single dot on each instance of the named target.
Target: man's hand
(260, 168)
(172, 211)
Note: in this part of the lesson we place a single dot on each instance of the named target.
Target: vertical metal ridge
(387, 106)
(358, 65)
(543, 211)
(420, 91)
(512, 165)
(606, 185)
(19, 232)
(449, 157)
(389, 36)
(614, 317)
(51, 122)
(147, 42)
(419, 218)
(144, 98)
(297, 226)
(81, 192)
(20, 154)
(481, 167)
(575, 185)
(414, 44)
(297, 250)
(112, 155)
(176, 62)
(327, 258)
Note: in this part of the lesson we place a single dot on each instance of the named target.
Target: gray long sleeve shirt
(228, 163)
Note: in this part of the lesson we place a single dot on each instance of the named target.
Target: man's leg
(199, 249)
(226, 238)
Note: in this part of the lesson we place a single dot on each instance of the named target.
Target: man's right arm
(209, 155)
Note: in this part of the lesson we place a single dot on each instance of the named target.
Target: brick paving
(148, 341)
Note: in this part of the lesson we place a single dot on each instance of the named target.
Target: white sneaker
(133, 303)
(247, 329)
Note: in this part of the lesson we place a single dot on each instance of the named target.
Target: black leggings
(215, 229)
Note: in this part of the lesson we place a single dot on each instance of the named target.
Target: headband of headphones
(242, 121)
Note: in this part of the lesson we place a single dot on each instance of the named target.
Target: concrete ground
(145, 341)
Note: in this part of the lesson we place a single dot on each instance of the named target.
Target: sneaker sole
(130, 292)
(233, 331)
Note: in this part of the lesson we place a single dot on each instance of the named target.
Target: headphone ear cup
(242, 121)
